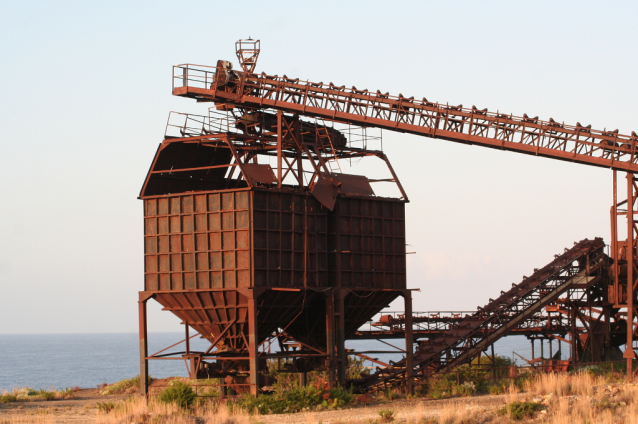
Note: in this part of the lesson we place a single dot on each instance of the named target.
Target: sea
(58, 361)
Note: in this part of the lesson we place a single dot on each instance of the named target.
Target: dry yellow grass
(563, 384)
(139, 410)
(460, 412)
(565, 398)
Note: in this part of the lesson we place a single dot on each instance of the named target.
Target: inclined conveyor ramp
(579, 267)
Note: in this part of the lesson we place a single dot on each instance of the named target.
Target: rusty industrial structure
(254, 234)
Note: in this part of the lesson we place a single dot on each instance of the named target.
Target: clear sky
(86, 91)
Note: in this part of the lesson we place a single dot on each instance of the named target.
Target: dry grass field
(551, 398)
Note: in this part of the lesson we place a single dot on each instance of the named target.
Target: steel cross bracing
(237, 90)
(579, 267)
(575, 143)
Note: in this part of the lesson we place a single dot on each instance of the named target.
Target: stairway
(578, 267)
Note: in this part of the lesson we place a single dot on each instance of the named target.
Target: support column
(279, 149)
(330, 338)
(574, 332)
(342, 358)
(253, 345)
(616, 292)
(409, 342)
(188, 339)
(629, 351)
(493, 363)
(143, 336)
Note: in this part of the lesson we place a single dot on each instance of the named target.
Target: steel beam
(143, 342)
(330, 337)
(342, 357)
(409, 342)
(253, 344)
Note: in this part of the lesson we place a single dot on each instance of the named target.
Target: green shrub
(468, 388)
(356, 368)
(389, 394)
(520, 410)
(345, 397)
(122, 385)
(67, 393)
(178, 393)
(45, 395)
(105, 407)
(296, 400)
(293, 400)
(387, 415)
(8, 397)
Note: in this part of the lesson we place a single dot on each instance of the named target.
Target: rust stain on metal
(304, 255)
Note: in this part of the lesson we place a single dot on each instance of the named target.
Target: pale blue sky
(86, 92)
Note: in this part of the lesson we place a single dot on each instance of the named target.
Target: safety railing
(525, 134)
(189, 75)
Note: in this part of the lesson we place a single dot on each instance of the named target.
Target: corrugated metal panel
(290, 235)
(367, 243)
(197, 241)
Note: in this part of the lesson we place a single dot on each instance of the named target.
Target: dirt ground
(83, 409)
(404, 410)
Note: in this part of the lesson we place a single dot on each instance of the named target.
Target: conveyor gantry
(582, 266)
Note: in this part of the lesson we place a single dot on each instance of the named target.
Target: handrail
(575, 143)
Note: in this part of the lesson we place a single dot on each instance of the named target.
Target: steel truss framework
(576, 143)
(241, 322)
(579, 268)
(251, 357)
(308, 157)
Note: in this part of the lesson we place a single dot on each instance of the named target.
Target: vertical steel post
(143, 344)
(342, 358)
(629, 351)
(493, 363)
(279, 149)
(409, 341)
(330, 338)
(575, 340)
(253, 345)
(617, 293)
(188, 339)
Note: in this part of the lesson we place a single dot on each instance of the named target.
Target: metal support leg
(279, 150)
(493, 363)
(342, 358)
(253, 346)
(330, 338)
(188, 339)
(143, 344)
(409, 341)
(629, 350)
